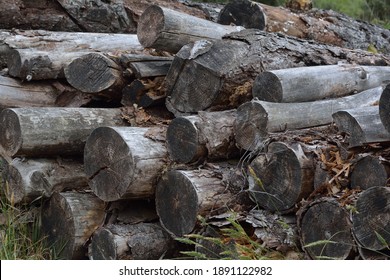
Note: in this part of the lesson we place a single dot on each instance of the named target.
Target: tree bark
(69, 220)
(232, 64)
(125, 162)
(255, 119)
(318, 82)
(144, 92)
(384, 108)
(206, 135)
(143, 241)
(29, 179)
(51, 131)
(361, 126)
(168, 30)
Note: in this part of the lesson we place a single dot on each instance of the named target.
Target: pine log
(29, 179)
(51, 131)
(371, 226)
(69, 220)
(255, 119)
(370, 171)
(384, 107)
(168, 30)
(143, 241)
(125, 162)
(325, 26)
(206, 135)
(232, 64)
(144, 92)
(362, 126)
(318, 82)
(325, 230)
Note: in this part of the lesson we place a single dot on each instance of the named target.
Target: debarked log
(302, 84)
(168, 30)
(255, 119)
(206, 135)
(69, 220)
(125, 162)
(51, 131)
(29, 179)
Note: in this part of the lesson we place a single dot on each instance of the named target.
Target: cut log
(325, 26)
(29, 179)
(143, 241)
(232, 64)
(325, 230)
(51, 131)
(206, 135)
(148, 69)
(255, 119)
(168, 30)
(361, 126)
(125, 162)
(384, 107)
(69, 220)
(144, 92)
(371, 226)
(370, 171)
(318, 82)
(281, 177)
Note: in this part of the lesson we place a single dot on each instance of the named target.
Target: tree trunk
(168, 30)
(125, 162)
(29, 179)
(232, 64)
(144, 92)
(69, 220)
(143, 241)
(325, 26)
(51, 131)
(318, 82)
(325, 230)
(384, 107)
(255, 119)
(206, 135)
(361, 126)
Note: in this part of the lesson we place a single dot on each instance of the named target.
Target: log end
(384, 107)
(103, 246)
(348, 125)
(14, 188)
(150, 25)
(14, 64)
(11, 132)
(368, 172)
(267, 87)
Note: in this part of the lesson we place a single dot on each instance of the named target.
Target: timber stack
(128, 128)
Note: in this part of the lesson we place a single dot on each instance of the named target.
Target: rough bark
(206, 135)
(318, 82)
(384, 107)
(29, 179)
(168, 30)
(144, 92)
(255, 119)
(232, 64)
(125, 162)
(69, 220)
(51, 131)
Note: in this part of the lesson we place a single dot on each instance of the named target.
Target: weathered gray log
(371, 226)
(361, 126)
(255, 119)
(325, 230)
(125, 162)
(69, 220)
(144, 92)
(51, 131)
(232, 64)
(29, 179)
(384, 107)
(206, 135)
(143, 241)
(280, 177)
(324, 26)
(169, 30)
(370, 171)
(146, 69)
(318, 82)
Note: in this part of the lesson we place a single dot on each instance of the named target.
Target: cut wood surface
(51, 131)
(384, 107)
(68, 221)
(125, 162)
(168, 30)
(232, 64)
(318, 82)
(29, 179)
(361, 126)
(206, 135)
(144, 92)
(255, 119)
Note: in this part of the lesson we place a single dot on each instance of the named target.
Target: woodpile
(130, 141)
